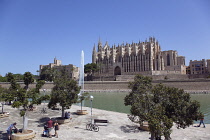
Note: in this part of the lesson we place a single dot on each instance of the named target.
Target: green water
(204, 100)
(114, 101)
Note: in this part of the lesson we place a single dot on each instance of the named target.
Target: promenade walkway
(119, 128)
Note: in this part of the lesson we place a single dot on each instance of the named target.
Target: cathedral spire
(94, 54)
(94, 47)
(99, 44)
(99, 41)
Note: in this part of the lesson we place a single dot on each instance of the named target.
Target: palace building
(144, 58)
(73, 71)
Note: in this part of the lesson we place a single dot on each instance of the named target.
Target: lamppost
(44, 94)
(80, 96)
(44, 100)
(91, 100)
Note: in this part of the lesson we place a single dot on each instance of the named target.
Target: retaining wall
(201, 85)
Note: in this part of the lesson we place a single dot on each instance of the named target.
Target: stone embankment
(190, 85)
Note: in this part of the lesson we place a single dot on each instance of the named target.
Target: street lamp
(91, 100)
(44, 94)
(44, 109)
(80, 96)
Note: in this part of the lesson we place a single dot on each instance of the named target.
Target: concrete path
(119, 126)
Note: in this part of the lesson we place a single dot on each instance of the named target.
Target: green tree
(10, 77)
(3, 79)
(10, 94)
(65, 91)
(19, 77)
(2, 94)
(47, 74)
(90, 67)
(21, 96)
(82, 97)
(160, 106)
(28, 79)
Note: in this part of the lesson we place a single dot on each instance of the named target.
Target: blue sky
(33, 32)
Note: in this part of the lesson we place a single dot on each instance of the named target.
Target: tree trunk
(155, 136)
(63, 114)
(167, 137)
(2, 109)
(152, 136)
(25, 123)
(81, 105)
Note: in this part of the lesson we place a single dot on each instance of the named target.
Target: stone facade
(198, 67)
(208, 65)
(57, 65)
(137, 58)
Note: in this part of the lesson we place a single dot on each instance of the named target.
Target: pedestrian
(56, 127)
(50, 127)
(9, 130)
(67, 115)
(202, 122)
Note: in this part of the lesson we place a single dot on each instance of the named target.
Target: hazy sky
(33, 32)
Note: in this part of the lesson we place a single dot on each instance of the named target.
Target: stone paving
(118, 128)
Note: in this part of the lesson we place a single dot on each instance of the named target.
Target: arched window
(168, 60)
(117, 71)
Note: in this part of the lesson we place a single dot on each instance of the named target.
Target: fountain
(81, 84)
(81, 74)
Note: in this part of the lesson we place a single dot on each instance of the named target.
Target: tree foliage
(10, 77)
(82, 97)
(65, 91)
(2, 91)
(28, 79)
(3, 79)
(47, 74)
(21, 96)
(90, 67)
(160, 106)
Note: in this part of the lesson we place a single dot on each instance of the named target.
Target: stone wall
(48, 85)
(195, 85)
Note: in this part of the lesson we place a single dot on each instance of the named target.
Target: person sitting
(9, 130)
(67, 115)
(31, 107)
(45, 131)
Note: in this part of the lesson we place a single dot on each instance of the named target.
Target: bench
(100, 121)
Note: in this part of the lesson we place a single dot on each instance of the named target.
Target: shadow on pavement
(42, 121)
(130, 129)
(3, 136)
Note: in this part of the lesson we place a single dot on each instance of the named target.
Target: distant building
(57, 65)
(208, 65)
(137, 58)
(198, 67)
(188, 70)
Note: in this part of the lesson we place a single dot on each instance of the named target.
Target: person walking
(9, 130)
(56, 127)
(50, 127)
(202, 122)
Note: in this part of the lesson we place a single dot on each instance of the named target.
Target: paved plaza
(118, 128)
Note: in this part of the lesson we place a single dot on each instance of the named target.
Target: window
(168, 60)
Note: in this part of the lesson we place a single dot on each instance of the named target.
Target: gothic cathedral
(144, 58)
